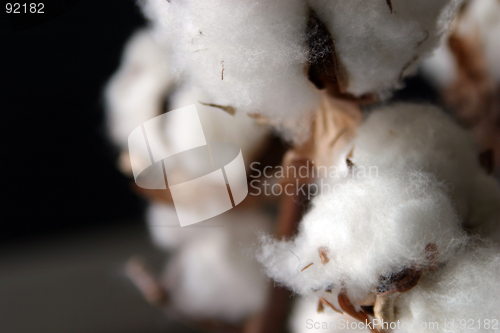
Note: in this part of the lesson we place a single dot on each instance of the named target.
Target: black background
(58, 169)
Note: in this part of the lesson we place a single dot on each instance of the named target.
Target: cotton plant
(397, 245)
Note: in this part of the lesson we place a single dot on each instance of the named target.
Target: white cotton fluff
(136, 92)
(262, 45)
(369, 228)
(461, 296)
(412, 137)
(211, 273)
(135, 95)
(485, 215)
(372, 225)
(378, 47)
(305, 319)
(216, 276)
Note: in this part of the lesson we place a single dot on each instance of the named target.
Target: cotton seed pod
(372, 229)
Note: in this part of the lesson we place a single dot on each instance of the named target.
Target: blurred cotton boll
(213, 273)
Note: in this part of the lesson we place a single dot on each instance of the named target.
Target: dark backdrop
(58, 170)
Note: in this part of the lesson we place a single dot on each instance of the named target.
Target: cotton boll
(305, 318)
(462, 296)
(136, 92)
(253, 55)
(245, 54)
(419, 137)
(366, 228)
(218, 126)
(379, 42)
(216, 276)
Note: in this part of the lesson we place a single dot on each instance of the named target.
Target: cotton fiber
(210, 262)
(218, 126)
(461, 296)
(366, 229)
(411, 137)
